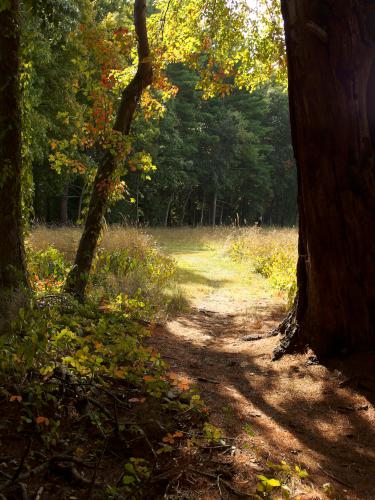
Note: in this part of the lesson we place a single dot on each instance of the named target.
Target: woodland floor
(319, 417)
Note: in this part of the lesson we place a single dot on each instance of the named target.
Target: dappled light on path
(296, 411)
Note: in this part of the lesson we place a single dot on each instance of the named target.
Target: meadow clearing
(177, 267)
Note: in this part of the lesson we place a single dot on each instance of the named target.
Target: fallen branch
(225, 483)
(335, 478)
(203, 379)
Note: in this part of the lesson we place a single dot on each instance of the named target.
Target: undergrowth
(79, 382)
(76, 382)
(130, 272)
(90, 405)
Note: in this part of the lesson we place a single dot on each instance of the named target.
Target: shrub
(130, 272)
(271, 253)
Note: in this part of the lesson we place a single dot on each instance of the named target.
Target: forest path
(288, 410)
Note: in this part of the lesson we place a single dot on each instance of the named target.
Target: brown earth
(319, 417)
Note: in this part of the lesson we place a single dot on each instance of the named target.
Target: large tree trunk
(12, 253)
(331, 63)
(78, 277)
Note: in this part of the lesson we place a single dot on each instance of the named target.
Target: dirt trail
(320, 417)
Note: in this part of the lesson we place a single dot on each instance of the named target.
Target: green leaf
(4, 5)
(128, 480)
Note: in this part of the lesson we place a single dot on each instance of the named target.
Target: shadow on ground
(187, 276)
(319, 416)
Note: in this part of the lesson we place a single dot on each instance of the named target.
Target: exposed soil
(320, 417)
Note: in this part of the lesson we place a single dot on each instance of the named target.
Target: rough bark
(12, 254)
(331, 64)
(78, 277)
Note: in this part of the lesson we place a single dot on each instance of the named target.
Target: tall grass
(129, 266)
(270, 252)
(198, 238)
(135, 262)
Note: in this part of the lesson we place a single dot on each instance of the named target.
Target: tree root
(290, 342)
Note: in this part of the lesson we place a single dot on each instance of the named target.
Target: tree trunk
(167, 211)
(80, 202)
(78, 276)
(214, 209)
(202, 210)
(331, 65)
(12, 253)
(185, 205)
(64, 205)
(137, 202)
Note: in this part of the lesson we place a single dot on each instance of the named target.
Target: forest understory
(210, 417)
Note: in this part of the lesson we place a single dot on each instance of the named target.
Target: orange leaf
(183, 385)
(42, 420)
(15, 398)
(168, 439)
(148, 378)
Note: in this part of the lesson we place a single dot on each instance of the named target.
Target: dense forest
(223, 160)
(187, 199)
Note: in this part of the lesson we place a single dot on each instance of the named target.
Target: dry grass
(255, 241)
(66, 239)
(204, 256)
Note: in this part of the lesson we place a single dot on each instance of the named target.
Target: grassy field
(203, 260)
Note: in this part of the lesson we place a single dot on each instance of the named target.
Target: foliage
(273, 254)
(234, 149)
(78, 56)
(63, 363)
(286, 477)
(131, 276)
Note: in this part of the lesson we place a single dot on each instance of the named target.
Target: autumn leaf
(42, 420)
(168, 438)
(183, 384)
(15, 398)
